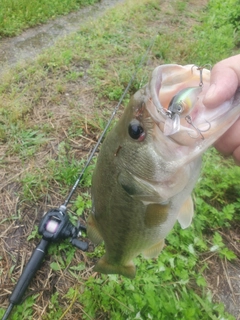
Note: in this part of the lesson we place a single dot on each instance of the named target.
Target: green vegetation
(17, 15)
(218, 34)
(51, 114)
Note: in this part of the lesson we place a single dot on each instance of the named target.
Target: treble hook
(189, 120)
(201, 71)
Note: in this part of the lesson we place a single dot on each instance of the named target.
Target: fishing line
(109, 122)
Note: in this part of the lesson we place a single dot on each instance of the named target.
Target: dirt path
(34, 40)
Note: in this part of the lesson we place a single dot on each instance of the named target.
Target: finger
(224, 84)
(224, 81)
(230, 141)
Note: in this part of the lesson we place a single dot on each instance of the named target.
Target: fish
(144, 176)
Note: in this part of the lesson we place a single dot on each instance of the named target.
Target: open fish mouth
(176, 104)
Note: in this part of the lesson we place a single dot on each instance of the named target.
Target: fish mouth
(176, 105)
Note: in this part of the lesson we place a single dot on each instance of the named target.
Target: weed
(74, 75)
(25, 142)
(181, 5)
(220, 247)
(218, 32)
(18, 15)
(25, 310)
(54, 309)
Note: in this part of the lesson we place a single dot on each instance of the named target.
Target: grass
(52, 113)
(15, 16)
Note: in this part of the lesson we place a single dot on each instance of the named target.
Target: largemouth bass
(149, 163)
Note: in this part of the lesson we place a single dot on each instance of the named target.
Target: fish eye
(135, 130)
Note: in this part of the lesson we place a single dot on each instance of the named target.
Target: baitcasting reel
(54, 226)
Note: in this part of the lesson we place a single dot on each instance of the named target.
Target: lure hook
(200, 68)
(189, 120)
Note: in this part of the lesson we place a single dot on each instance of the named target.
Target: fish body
(143, 179)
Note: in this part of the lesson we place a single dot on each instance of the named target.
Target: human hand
(225, 79)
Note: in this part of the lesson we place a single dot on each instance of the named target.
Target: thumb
(223, 85)
(224, 82)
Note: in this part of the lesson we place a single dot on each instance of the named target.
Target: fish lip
(155, 87)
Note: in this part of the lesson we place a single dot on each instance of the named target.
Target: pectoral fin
(154, 251)
(186, 213)
(156, 214)
(92, 231)
(105, 267)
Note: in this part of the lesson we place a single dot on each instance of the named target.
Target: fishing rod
(55, 224)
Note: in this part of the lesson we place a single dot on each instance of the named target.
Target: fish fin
(92, 231)
(186, 213)
(155, 214)
(154, 251)
(105, 267)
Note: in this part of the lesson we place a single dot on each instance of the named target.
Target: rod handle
(29, 271)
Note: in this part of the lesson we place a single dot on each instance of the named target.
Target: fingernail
(210, 93)
(210, 97)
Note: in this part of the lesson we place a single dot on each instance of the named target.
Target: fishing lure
(180, 106)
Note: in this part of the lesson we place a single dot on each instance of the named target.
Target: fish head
(167, 126)
(151, 158)
(142, 144)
